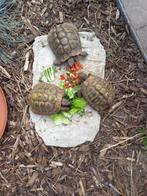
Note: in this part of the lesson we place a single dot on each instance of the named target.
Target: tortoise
(98, 92)
(46, 99)
(65, 43)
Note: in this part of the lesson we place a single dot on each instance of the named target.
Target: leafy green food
(48, 75)
(77, 107)
(61, 84)
(70, 113)
(73, 111)
(59, 118)
(79, 103)
(71, 92)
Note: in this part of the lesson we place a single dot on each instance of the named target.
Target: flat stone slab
(82, 128)
(135, 13)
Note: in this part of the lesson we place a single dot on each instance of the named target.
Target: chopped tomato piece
(67, 84)
(62, 77)
(78, 66)
(73, 68)
(74, 75)
(75, 82)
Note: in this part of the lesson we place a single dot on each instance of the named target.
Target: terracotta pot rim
(3, 112)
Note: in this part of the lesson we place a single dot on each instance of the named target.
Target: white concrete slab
(83, 128)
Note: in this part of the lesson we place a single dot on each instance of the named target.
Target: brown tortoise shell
(45, 99)
(97, 92)
(65, 42)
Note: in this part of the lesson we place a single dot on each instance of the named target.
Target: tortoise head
(83, 76)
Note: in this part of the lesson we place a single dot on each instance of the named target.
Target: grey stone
(135, 13)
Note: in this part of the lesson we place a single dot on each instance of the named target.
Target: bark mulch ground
(116, 162)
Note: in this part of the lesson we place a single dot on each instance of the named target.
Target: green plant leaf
(48, 75)
(61, 84)
(59, 118)
(79, 103)
(71, 92)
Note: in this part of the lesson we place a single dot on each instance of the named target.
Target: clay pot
(3, 112)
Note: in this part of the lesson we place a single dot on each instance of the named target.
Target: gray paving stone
(142, 34)
(135, 13)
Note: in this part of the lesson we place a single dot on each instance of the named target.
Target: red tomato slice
(62, 77)
(68, 84)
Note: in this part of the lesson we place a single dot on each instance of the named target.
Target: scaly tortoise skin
(98, 92)
(64, 41)
(46, 99)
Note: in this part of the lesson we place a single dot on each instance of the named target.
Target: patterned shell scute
(98, 92)
(45, 99)
(65, 42)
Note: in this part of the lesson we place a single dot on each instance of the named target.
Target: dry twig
(4, 71)
(82, 190)
(26, 65)
(119, 143)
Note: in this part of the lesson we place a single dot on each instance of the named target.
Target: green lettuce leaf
(59, 118)
(71, 92)
(48, 75)
(79, 102)
(70, 113)
(61, 84)
(77, 107)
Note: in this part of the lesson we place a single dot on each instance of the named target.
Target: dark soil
(27, 166)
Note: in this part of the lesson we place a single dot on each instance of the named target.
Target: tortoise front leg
(57, 62)
(70, 61)
(83, 53)
(73, 60)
